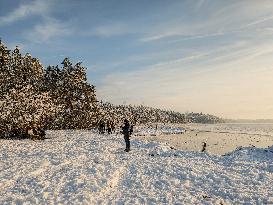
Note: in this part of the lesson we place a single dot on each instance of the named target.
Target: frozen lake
(247, 128)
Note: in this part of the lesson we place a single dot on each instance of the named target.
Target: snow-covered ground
(82, 167)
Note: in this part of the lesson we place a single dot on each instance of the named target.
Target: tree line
(34, 98)
(139, 114)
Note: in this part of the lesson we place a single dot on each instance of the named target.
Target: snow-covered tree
(69, 87)
(23, 105)
(34, 97)
(18, 71)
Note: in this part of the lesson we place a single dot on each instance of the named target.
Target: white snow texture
(83, 167)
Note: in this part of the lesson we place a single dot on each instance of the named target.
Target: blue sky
(211, 56)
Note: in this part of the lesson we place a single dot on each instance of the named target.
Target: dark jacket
(127, 129)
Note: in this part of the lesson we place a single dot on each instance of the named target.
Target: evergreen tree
(69, 87)
(23, 105)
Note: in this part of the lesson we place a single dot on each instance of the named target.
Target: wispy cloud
(37, 7)
(215, 88)
(159, 36)
(221, 19)
(174, 62)
(259, 21)
(110, 30)
(45, 29)
(198, 36)
(48, 29)
(107, 30)
(199, 4)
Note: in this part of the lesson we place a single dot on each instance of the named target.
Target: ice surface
(243, 128)
(82, 167)
(158, 129)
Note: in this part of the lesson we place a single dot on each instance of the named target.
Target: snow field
(82, 167)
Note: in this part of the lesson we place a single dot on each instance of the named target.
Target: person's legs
(109, 131)
(127, 141)
(128, 144)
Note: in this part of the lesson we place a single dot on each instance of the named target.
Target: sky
(210, 56)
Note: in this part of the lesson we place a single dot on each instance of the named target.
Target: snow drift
(82, 167)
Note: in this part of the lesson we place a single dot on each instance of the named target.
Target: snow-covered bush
(24, 111)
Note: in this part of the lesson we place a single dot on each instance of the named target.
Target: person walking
(127, 130)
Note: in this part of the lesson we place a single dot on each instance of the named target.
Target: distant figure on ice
(101, 127)
(204, 147)
(127, 130)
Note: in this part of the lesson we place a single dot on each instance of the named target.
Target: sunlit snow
(83, 167)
